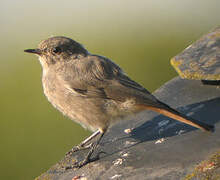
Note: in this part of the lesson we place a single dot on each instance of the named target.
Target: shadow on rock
(162, 126)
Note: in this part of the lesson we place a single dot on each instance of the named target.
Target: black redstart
(94, 91)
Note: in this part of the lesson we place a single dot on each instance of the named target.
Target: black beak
(35, 51)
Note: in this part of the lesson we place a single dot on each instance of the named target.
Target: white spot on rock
(163, 123)
(128, 131)
(160, 141)
(116, 176)
(118, 161)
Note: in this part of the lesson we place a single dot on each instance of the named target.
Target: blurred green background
(141, 36)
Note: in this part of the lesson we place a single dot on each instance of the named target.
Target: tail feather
(170, 112)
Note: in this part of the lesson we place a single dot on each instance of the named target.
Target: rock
(200, 60)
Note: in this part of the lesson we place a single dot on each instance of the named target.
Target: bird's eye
(57, 50)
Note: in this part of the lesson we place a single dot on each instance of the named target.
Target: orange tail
(167, 111)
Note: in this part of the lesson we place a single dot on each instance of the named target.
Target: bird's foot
(78, 148)
(78, 164)
(87, 159)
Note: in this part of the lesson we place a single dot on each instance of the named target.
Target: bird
(94, 91)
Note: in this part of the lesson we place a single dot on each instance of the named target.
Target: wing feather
(98, 77)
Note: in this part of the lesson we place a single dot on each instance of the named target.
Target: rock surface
(201, 60)
(152, 146)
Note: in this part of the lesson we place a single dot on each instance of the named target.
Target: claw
(78, 148)
(87, 159)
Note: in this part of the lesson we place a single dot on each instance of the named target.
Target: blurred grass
(140, 37)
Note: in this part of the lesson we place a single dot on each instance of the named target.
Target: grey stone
(200, 60)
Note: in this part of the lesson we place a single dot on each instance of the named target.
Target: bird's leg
(87, 159)
(83, 145)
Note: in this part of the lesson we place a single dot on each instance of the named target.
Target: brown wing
(96, 76)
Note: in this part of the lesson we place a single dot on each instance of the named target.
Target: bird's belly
(91, 113)
(88, 112)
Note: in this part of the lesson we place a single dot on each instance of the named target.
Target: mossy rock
(200, 60)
